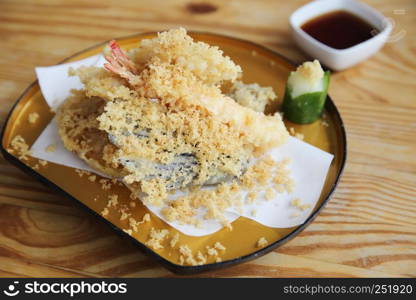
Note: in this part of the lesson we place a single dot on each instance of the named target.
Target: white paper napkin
(309, 165)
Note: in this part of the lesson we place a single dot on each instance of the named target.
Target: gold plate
(260, 65)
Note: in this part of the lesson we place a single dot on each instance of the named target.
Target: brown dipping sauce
(339, 29)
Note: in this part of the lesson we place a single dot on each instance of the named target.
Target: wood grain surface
(368, 229)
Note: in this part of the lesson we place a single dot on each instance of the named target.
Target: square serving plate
(260, 65)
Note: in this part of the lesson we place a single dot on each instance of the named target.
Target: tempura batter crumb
(113, 200)
(105, 212)
(43, 162)
(156, 237)
(219, 246)
(50, 148)
(105, 184)
(187, 255)
(297, 202)
(262, 242)
(174, 240)
(33, 117)
(128, 231)
(20, 147)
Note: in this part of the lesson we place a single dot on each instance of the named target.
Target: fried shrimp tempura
(169, 76)
(156, 116)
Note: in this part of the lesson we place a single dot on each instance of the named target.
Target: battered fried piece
(157, 117)
(78, 128)
(252, 95)
(181, 72)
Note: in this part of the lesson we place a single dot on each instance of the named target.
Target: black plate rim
(179, 269)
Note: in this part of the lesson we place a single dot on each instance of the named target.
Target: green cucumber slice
(305, 108)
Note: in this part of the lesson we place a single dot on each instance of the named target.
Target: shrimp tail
(119, 63)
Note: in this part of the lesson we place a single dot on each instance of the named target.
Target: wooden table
(368, 229)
